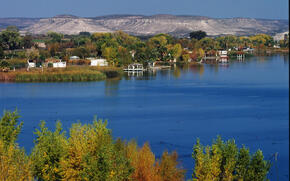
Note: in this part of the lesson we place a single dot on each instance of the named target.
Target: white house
(223, 53)
(59, 64)
(223, 56)
(99, 62)
(31, 64)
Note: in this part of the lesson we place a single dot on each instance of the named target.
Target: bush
(49, 65)
(4, 64)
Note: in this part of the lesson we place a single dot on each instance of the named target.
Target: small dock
(134, 67)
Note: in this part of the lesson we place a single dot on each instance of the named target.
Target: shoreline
(83, 73)
(69, 74)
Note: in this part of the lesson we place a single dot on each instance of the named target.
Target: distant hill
(19, 22)
(148, 25)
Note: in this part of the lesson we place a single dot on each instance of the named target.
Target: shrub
(17, 63)
(4, 64)
(49, 65)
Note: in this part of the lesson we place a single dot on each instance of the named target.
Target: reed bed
(69, 74)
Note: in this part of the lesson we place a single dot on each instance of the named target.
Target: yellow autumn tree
(143, 161)
(168, 167)
(93, 155)
(14, 163)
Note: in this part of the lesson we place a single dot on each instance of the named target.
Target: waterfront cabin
(134, 67)
(223, 56)
(223, 53)
(31, 64)
(99, 62)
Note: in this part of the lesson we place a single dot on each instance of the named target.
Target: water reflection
(285, 58)
(240, 59)
(133, 75)
(197, 69)
(261, 59)
(224, 65)
(213, 68)
(176, 72)
(112, 87)
(164, 73)
(179, 70)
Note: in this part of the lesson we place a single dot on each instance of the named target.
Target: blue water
(247, 101)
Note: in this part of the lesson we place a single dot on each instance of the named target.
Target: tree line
(121, 49)
(89, 152)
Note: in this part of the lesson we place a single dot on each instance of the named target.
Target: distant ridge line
(143, 25)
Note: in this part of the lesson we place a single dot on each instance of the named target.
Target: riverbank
(267, 51)
(69, 74)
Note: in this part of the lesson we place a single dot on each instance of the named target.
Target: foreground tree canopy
(89, 152)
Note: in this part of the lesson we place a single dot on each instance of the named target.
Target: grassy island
(68, 74)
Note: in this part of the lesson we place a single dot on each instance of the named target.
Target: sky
(267, 9)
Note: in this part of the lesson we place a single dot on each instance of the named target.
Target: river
(245, 100)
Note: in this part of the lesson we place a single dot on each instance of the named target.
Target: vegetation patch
(69, 74)
(89, 152)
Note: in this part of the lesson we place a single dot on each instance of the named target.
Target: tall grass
(60, 74)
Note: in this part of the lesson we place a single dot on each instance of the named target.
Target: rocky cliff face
(150, 25)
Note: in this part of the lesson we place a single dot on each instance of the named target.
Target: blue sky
(269, 9)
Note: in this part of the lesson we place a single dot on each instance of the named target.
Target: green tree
(124, 56)
(223, 161)
(10, 127)
(156, 48)
(110, 53)
(176, 51)
(81, 52)
(242, 164)
(1, 52)
(197, 35)
(258, 167)
(27, 41)
(49, 149)
(55, 37)
(32, 55)
(10, 38)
